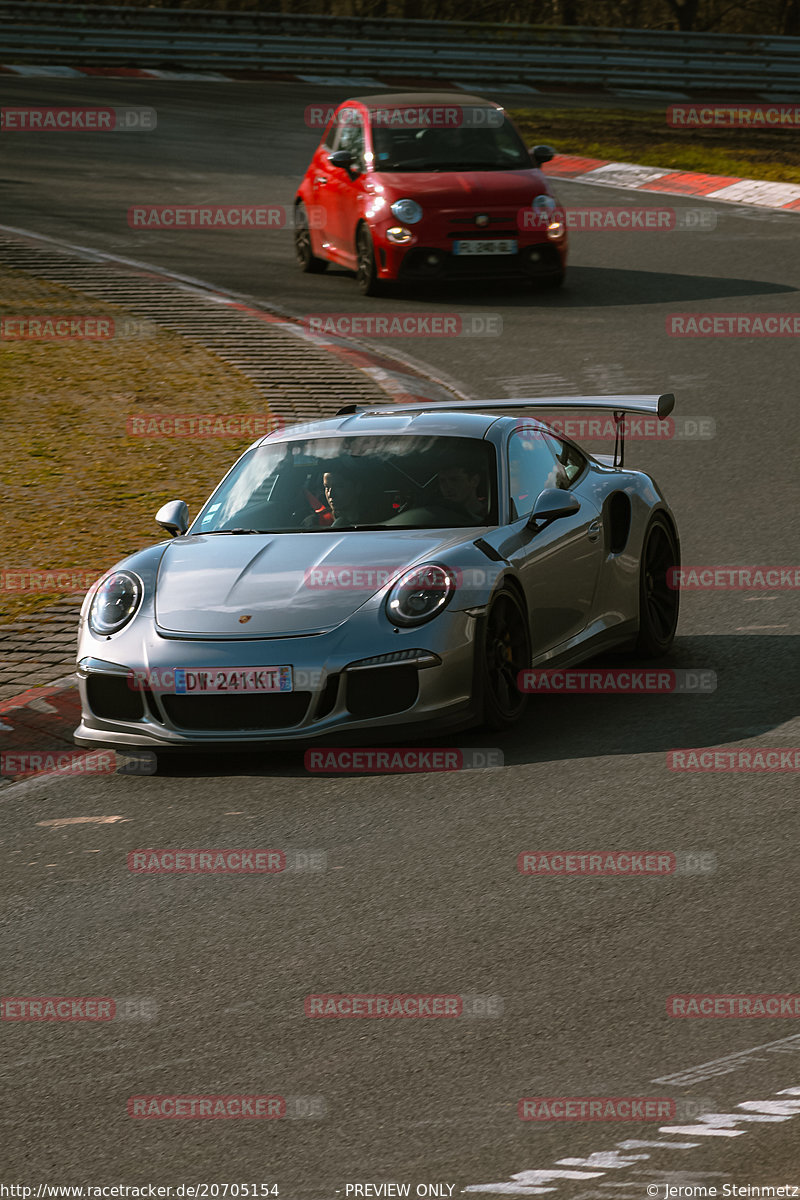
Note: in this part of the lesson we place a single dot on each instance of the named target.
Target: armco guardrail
(492, 53)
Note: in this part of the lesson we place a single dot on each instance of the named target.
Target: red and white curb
(39, 719)
(761, 193)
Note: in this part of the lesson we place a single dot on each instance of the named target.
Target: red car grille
(501, 222)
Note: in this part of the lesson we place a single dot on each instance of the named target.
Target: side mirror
(551, 504)
(541, 154)
(174, 517)
(342, 159)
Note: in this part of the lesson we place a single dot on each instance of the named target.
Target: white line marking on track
(57, 822)
(692, 1075)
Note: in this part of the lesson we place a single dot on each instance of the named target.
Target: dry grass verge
(78, 492)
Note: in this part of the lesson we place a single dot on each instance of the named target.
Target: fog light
(433, 260)
(399, 234)
(555, 230)
(534, 256)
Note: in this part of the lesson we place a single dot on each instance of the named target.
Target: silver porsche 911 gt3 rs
(379, 569)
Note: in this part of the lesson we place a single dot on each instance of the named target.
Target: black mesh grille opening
(382, 690)
(111, 699)
(237, 713)
(328, 698)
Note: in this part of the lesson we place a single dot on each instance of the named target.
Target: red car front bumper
(429, 254)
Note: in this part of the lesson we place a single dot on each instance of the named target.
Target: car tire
(658, 602)
(504, 649)
(306, 259)
(366, 271)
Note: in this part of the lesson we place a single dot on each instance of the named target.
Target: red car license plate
(506, 246)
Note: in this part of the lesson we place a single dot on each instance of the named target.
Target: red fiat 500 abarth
(428, 186)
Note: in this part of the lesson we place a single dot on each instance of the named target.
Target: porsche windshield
(467, 148)
(365, 482)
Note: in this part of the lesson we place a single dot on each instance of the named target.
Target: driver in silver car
(459, 485)
(344, 493)
(344, 489)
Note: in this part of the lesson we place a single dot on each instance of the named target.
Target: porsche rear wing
(657, 406)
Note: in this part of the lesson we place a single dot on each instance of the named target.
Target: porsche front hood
(283, 584)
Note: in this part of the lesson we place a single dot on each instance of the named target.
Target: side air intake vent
(618, 522)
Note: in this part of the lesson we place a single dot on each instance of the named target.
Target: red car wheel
(306, 259)
(366, 273)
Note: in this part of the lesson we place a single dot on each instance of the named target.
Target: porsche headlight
(407, 211)
(115, 602)
(543, 204)
(420, 594)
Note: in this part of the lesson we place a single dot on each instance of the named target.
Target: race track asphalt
(421, 892)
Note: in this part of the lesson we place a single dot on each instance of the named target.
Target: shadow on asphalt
(756, 692)
(585, 287)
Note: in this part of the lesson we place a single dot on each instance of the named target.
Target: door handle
(594, 530)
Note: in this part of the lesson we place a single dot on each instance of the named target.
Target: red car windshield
(498, 148)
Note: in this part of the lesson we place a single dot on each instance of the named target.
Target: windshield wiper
(340, 528)
(207, 532)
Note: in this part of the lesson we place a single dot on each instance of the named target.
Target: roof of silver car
(392, 421)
